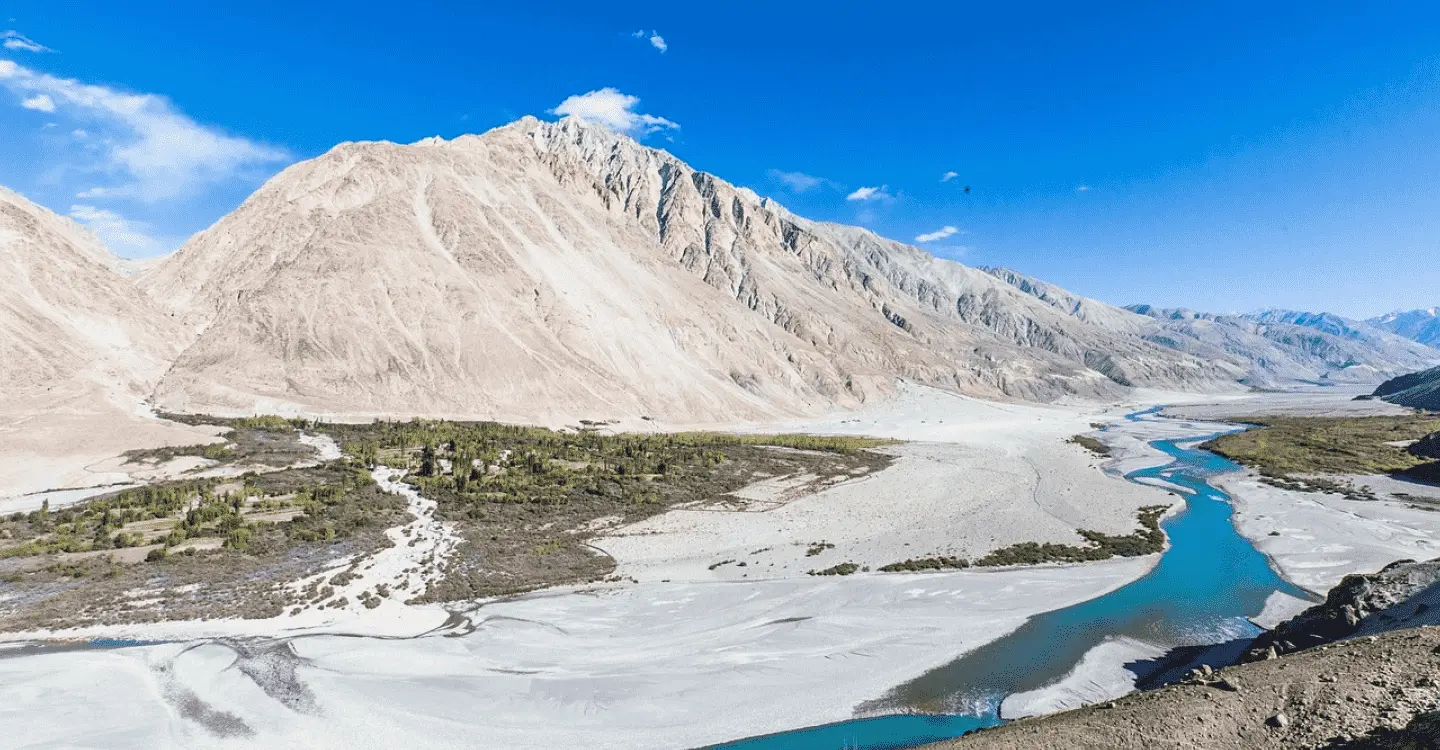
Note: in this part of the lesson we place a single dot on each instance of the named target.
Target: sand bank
(975, 476)
(655, 665)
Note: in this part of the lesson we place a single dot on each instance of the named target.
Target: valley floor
(684, 651)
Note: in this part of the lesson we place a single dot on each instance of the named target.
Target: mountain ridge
(547, 271)
(1422, 325)
(763, 311)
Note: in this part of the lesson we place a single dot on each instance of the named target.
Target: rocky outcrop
(1371, 693)
(1417, 390)
(1403, 594)
(1359, 671)
(1426, 447)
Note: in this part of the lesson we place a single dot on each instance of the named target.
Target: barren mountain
(546, 271)
(80, 347)
(72, 326)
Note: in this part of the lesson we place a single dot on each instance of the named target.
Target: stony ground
(1370, 692)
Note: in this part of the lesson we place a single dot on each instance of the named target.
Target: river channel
(1202, 592)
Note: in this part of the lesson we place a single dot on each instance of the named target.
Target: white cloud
(17, 41)
(799, 181)
(656, 41)
(938, 234)
(151, 150)
(39, 103)
(614, 110)
(948, 176)
(131, 239)
(870, 194)
(1082, 189)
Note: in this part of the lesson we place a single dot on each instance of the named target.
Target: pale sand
(1101, 675)
(656, 666)
(78, 449)
(1331, 401)
(700, 659)
(661, 664)
(981, 476)
(1320, 538)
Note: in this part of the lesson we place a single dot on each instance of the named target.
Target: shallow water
(1202, 591)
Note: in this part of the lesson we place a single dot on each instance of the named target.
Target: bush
(155, 555)
(843, 569)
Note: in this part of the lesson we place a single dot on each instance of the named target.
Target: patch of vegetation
(843, 569)
(1148, 540)
(1286, 448)
(207, 548)
(1091, 444)
(260, 441)
(1321, 484)
(817, 548)
(926, 563)
(524, 498)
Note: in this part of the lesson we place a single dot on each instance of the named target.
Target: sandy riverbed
(1315, 539)
(688, 655)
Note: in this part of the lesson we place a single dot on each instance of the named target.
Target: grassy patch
(1091, 444)
(843, 569)
(817, 548)
(525, 499)
(250, 441)
(1148, 540)
(1282, 447)
(914, 565)
(216, 548)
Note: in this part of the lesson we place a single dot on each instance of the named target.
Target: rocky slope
(1426, 447)
(547, 271)
(1418, 390)
(1402, 595)
(1360, 670)
(1280, 347)
(1416, 325)
(1378, 692)
(75, 332)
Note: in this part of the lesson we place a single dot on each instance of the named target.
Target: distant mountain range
(545, 271)
(1418, 325)
(1281, 347)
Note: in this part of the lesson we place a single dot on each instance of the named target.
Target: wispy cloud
(131, 239)
(799, 182)
(135, 148)
(870, 194)
(39, 103)
(14, 40)
(656, 41)
(938, 234)
(614, 110)
(151, 151)
(1082, 189)
(948, 176)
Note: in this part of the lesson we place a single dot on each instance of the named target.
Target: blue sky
(1223, 158)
